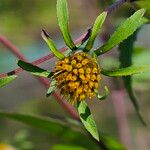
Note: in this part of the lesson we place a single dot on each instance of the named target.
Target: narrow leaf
(51, 45)
(102, 97)
(95, 30)
(34, 69)
(67, 147)
(47, 124)
(63, 19)
(125, 58)
(4, 81)
(126, 71)
(55, 127)
(124, 31)
(51, 88)
(87, 119)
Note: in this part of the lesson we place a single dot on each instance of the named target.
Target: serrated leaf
(52, 88)
(102, 97)
(63, 19)
(95, 30)
(6, 80)
(126, 71)
(125, 57)
(51, 45)
(87, 119)
(124, 31)
(34, 69)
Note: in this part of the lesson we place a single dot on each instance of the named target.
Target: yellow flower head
(77, 76)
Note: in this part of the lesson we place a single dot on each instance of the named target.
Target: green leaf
(4, 81)
(51, 88)
(54, 127)
(47, 124)
(112, 143)
(63, 19)
(126, 52)
(126, 71)
(95, 30)
(51, 45)
(143, 4)
(34, 69)
(102, 97)
(67, 147)
(124, 31)
(87, 119)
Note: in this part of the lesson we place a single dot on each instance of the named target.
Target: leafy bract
(95, 30)
(123, 31)
(102, 97)
(34, 69)
(51, 45)
(6, 80)
(87, 119)
(51, 88)
(126, 71)
(63, 19)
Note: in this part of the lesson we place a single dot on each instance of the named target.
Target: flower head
(77, 76)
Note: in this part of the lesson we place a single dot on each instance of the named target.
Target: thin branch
(38, 61)
(70, 109)
(115, 6)
(110, 9)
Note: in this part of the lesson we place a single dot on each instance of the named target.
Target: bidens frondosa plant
(77, 73)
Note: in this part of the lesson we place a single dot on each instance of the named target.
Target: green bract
(4, 81)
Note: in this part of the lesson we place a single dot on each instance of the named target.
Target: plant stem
(70, 109)
(115, 6)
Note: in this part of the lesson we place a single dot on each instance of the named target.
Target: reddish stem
(36, 62)
(70, 109)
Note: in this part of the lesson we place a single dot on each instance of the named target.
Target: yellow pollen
(79, 65)
(79, 57)
(95, 70)
(68, 68)
(74, 78)
(82, 96)
(73, 62)
(88, 76)
(77, 84)
(85, 61)
(66, 60)
(91, 84)
(81, 70)
(86, 87)
(82, 77)
(79, 90)
(88, 70)
(96, 85)
(98, 78)
(69, 77)
(75, 71)
(93, 77)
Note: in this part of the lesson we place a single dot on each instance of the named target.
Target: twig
(115, 6)
(70, 109)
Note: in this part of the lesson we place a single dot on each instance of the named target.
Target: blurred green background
(21, 21)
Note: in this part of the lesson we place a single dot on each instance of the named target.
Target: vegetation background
(21, 22)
